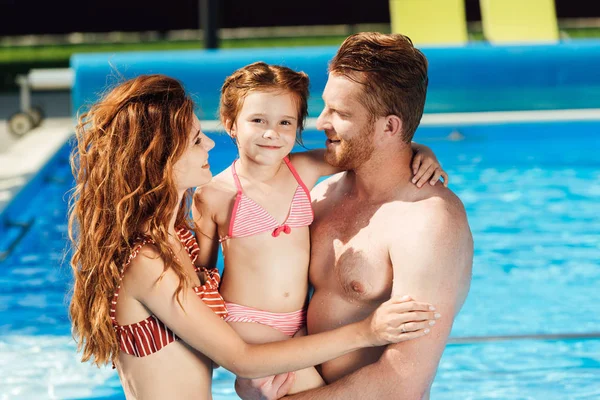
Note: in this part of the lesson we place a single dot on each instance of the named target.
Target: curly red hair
(127, 144)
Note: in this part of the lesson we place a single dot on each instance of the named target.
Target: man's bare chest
(349, 256)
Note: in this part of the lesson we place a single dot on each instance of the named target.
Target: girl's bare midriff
(272, 278)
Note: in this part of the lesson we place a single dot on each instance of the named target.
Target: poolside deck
(22, 158)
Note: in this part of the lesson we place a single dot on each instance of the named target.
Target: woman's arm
(206, 231)
(200, 328)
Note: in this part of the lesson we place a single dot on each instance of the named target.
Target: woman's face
(192, 169)
(265, 128)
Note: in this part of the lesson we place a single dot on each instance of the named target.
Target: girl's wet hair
(260, 76)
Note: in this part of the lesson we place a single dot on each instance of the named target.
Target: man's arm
(434, 265)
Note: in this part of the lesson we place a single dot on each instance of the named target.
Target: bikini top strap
(238, 184)
(296, 175)
(134, 253)
(238, 199)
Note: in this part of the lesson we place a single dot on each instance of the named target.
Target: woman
(139, 300)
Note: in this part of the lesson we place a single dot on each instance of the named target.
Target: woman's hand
(425, 166)
(399, 319)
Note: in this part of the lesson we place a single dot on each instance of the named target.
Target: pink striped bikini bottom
(288, 323)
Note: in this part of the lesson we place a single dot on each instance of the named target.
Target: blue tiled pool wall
(477, 77)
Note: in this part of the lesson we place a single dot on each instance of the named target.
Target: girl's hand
(399, 319)
(269, 388)
(425, 166)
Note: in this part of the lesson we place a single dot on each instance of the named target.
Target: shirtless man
(375, 234)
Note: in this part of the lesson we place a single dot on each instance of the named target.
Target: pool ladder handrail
(25, 227)
(538, 336)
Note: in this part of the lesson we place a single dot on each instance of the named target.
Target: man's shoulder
(437, 208)
(442, 201)
(435, 225)
(327, 185)
(443, 222)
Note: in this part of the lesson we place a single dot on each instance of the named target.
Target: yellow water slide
(514, 21)
(430, 22)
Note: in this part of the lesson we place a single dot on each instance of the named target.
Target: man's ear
(393, 125)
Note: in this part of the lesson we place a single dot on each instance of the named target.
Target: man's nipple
(357, 287)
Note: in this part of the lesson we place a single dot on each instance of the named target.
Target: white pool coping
(476, 118)
(27, 155)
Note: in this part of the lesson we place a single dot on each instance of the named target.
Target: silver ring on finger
(403, 329)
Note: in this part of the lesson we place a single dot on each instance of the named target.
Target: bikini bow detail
(283, 228)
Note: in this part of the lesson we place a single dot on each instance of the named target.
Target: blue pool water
(532, 195)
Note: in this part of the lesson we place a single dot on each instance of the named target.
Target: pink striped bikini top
(151, 335)
(249, 218)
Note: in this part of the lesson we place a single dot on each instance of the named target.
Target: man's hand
(269, 388)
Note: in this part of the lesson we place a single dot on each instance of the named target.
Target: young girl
(259, 209)
(140, 300)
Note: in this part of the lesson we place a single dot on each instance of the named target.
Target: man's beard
(352, 153)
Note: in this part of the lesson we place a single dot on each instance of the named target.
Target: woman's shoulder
(145, 271)
(144, 263)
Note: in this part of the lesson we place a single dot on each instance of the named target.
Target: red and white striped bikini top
(150, 335)
(249, 218)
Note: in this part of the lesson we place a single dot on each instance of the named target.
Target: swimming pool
(532, 194)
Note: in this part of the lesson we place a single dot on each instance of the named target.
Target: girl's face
(265, 129)
(192, 169)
